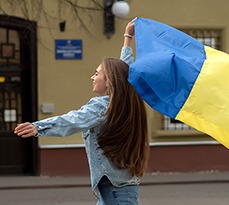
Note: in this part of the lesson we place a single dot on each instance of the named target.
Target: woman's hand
(25, 130)
(130, 28)
(129, 34)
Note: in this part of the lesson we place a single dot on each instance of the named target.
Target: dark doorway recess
(18, 94)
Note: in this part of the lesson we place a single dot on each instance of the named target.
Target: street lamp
(119, 8)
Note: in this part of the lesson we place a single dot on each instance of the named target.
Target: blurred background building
(49, 49)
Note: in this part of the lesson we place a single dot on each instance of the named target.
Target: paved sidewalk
(203, 188)
(29, 182)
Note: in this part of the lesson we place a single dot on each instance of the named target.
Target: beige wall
(67, 84)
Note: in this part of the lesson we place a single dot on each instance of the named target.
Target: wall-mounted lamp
(119, 8)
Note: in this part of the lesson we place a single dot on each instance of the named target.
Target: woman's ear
(107, 84)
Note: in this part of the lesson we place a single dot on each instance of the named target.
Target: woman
(114, 129)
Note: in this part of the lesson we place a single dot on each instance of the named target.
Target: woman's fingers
(25, 130)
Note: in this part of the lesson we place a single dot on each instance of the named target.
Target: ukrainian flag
(180, 77)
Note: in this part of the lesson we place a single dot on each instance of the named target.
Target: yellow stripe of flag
(207, 107)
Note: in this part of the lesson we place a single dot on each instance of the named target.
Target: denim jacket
(127, 55)
(88, 120)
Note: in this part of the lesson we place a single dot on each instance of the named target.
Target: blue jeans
(111, 195)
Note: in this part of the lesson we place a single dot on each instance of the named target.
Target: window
(209, 37)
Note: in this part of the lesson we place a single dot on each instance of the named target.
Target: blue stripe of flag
(167, 65)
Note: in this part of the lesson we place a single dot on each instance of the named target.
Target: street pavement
(202, 188)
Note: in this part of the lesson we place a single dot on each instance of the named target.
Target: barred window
(209, 37)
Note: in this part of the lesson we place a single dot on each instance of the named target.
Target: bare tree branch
(82, 11)
(33, 9)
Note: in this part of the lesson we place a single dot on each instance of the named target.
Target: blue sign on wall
(68, 49)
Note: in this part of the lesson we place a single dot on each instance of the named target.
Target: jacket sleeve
(88, 116)
(127, 55)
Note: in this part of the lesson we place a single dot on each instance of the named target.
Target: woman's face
(99, 82)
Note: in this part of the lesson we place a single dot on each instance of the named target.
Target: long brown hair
(124, 137)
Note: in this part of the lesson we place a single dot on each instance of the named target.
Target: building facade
(50, 49)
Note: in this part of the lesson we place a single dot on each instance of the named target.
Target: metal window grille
(209, 37)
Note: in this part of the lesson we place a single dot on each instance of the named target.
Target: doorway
(18, 94)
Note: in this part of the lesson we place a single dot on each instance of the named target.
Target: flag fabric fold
(180, 77)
